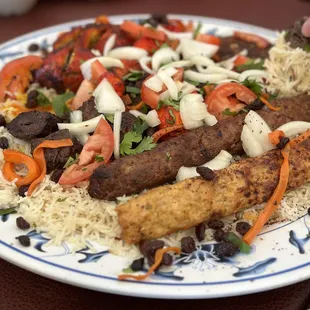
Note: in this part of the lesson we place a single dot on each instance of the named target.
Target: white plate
(277, 259)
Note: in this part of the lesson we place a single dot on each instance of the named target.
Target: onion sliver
(154, 83)
(170, 83)
(177, 64)
(143, 61)
(215, 69)
(77, 117)
(175, 35)
(202, 61)
(109, 44)
(117, 132)
(250, 145)
(162, 56)
(82, 127)
(252, 74)
(128, 52)
(150, 118)
(204, 78)
(192, 48)
(292, 129)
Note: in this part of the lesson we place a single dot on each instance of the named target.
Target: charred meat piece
(132, 174)
(171, 208)
(295, 36)
(89, 109)
(56, 158)
(127, 124)
(230, 46)
(33, 124)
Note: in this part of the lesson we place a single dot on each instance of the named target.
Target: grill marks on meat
(56, 158)
(32, 125)
(132, 174)
(246, 183)
(89, 109)
(294, 35)
(230, 46)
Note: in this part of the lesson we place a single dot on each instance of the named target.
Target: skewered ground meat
(56, 158)
(230, 46)
(132, 174)
(128, 121)
(32, 125)
(89, 109)
(295, 36)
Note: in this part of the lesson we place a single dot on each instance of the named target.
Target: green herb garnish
(127, 270)
(168, 156)
(131, 138)
(234, 239)
(173, 116)
(306, 48)
(42, 100)
(110, 118)
(59, 103)
(144, 109)
(84, 169)
(164, 45)
(99, 158)
(7, 211)
(197, 30)
(140, 126)
(193, 82)
(71, 161)
(133, 76)
(227, 112)
(171, 103)
(253, 86)
(251, 64)
(133, 90)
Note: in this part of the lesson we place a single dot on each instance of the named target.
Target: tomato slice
(252, 38)
(83, 94)
(97, 70)
(168, 117)
(241, 60)
(137, 31)
(176, 25)
(147, 44)
(222, 98)
(208, 38)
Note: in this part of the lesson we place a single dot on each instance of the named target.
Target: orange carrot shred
(274, 136)
(301, 138)
(162, 132)
(158, 259)
(38, 155)
(268, 104)
(274, 201)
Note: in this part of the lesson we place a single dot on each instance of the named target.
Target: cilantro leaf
(140, 126)
(109, 117)
(71, 161)
(253, 86)
(126, 146)
(127, 270)
(59, 103)
(170, 102)
(145, 145)
(168, 156)
(193, 82)
(7, 211)
(133, 76)
(227, 112)
(251, 64)
(99, 158)
(197, 30)
(42, 100)
(133, 90)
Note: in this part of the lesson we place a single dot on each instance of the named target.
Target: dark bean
(150, 246)
(242, 228)
(283, 142)
(255, 105)
(4, 143)
(21, 223)
(225, 249)
(34, 47)
(2, 121)
(167, 259)
(216, 224)
(23, 190)
(23, 240)
(200, 231)
(206, 173)
(219, 235)
(309, 211)
(137, 264)
(188, 245)
(56, 175)
(32, 101)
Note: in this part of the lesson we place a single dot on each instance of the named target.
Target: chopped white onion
(250, 145)
(187, 88)
(204, 78)
(143, 61)
(192, 48)
(252, 74)
(202, 61)
(164, 95)
(177, 64)
(230, 62)
(179, 49)
(210, 119)
(163, 56)
(96, 52)
(82, 127)
(216, 69)
(107, 100)
(169, 82)
(175, 35)
(292, 129)
(117, 132)
(128, 52)
(150, 118)
(154, 83)
(107, 62)
(221, 161)
(77, 117)
(170, 71)
(109, 44)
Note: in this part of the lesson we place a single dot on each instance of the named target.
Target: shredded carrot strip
(274, 136)
(12, 157)
(300, 138)
(38, 155)
(135, 107)
(274, 201)
(268, 104)
(158, 259)
(162, 132)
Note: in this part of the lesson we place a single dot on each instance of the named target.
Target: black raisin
(151, 246)
(34, 47)
(56, 175)
(23, 190)
(200, 231)
(167, 259)
(216, 224)
(242, 228)
(21, 223)
(219, 235)
(137, 264)
(4, 143)
(23, 240)
(206, 173)
(257, 104)
(32, 101)
(2, 121)
(283, 142)
(225, 249)
(188, 245)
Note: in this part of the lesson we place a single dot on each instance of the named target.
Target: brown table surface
(21, 289)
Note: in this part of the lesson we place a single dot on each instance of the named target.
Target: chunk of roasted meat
(294, 35)
(89, 109)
